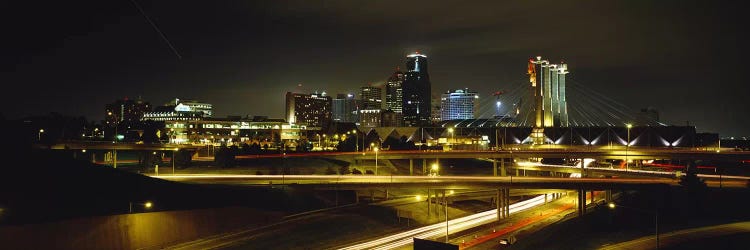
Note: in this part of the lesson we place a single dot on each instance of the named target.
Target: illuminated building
(371, 97)
(180, 110)
(193, 106)
(458, 104)
(394, 96)
(308, 109)
(125, 110)
(369, 118)
(416, 91)
(229, 131)
(344, 108)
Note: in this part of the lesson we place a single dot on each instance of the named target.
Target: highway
(438, 182)
(454, 226)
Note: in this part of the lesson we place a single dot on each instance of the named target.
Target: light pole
(627, 146)
(612, 205)
(453, 139)
(376, 160)
(173, 159)
(356, 140)
(39, 135)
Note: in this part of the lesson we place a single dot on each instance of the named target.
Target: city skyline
(660, 52)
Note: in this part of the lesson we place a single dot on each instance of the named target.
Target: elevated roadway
(353, 182)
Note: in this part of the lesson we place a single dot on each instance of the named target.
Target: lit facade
(369, 118)
(308, 109)
(234, 132)
(394, 96)
(192, 106)
(458, 104)
(416, 91)
(371, 97)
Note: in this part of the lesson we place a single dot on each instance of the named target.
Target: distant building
(389, 118)
(372, 97)
(125, 110)
(232, 131)
(344, 108)
(308, 109)
(369, 118)
(193, 106)
(394, 96)
(180, 110)
(436, 115)
(458, 104)
(416, 91)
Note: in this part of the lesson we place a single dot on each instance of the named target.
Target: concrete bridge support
(502, 167)
(411, 166)
(424, 167)
(494, 167)
(503, 203)
(428, 203)
(581, 202)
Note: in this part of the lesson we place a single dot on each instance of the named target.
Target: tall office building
(458, 104)
(372, 97)
(308, 109)
(416, 91)
(125, 110)
(344, 108)
(394, 98)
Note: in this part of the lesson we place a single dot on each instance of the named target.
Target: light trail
(454, 226)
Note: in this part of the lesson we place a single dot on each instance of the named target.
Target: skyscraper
(308, 109)
(394, 96)
(372, 97)
(344, 108)
(416, 91)
(458, 104)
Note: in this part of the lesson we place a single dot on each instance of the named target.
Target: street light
(627, 146)
(376, 160)
(146, 205)
(40, 134)
(612, 205)
(453, 139)
(435, 168)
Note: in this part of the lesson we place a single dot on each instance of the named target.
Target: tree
(344, 169)
(348, 145)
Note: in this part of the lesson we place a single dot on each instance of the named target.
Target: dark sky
(685, 58)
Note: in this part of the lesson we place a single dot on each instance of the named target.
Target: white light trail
(455, 225)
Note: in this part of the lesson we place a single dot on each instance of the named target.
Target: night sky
(684, 58)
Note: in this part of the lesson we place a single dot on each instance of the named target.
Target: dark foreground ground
(45, 186)
(679, 208)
